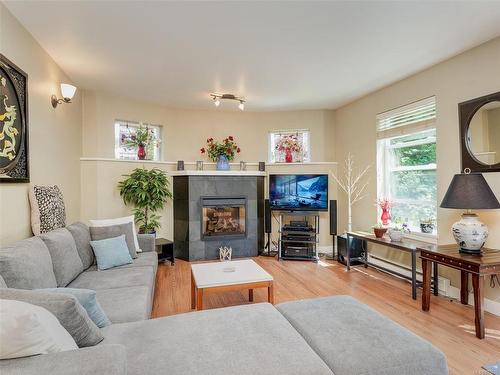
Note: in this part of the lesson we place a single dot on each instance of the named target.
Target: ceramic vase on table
(385, 217)
(470, 233)
(222, 163)
(396, 235)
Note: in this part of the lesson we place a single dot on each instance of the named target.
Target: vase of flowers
(142, 139)
(289, 144)
(221, 152)
(385, 205)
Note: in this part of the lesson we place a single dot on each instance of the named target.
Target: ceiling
(278, 55)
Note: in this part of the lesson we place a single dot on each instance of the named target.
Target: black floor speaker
(333, 217)
(357, 249)
(267, 216)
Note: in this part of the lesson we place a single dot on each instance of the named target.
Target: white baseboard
(489, 305)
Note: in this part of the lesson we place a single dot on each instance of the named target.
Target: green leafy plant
(143, 136)
(147, 191)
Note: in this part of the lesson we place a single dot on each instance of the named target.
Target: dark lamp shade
(469, 191)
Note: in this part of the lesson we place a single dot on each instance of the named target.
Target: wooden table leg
(270, 293)
(435, 278)
(426, 287)
(414, 274)
(464, 285)
(199, 299)
(250, 295)
(478, 284)
(193, 293)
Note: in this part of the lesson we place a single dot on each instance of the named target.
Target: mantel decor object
(470, 191)
(225, 253)
(221, 152)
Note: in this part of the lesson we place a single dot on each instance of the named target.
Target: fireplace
(223, 217)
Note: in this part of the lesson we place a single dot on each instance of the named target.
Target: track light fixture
(218, 97)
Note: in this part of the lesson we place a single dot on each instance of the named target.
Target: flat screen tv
(306, 192)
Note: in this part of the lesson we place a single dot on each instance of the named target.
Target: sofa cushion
(47, 209)
(251, 339)
(88, 300)
(67, 310)
(28, 330)
(81, 235)
(115, 278)
(123, 305)
(27, 264)
(343, 326)
(112, 231)
(143, 259)
(2, 282)
(65, 259)
(111, 252)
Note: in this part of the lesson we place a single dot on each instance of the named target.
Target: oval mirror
(483, 136)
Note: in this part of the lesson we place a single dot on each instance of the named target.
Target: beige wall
(55, 135)
(184, 133)
(469, 75)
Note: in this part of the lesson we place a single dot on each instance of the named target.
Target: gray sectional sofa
(333, 335)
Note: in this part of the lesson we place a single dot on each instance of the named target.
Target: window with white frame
(289, 146)
(125, 132)
(406, 162)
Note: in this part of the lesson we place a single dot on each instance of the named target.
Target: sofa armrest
(146, 242)
(100, 359)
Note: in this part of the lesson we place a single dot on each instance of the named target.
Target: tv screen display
(307, 192)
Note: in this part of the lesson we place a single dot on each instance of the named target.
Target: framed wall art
(14, 151)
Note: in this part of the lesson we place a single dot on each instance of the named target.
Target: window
(125, 131)
(289, 146)
(406, 162)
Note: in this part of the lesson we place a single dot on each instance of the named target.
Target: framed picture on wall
(14, 151)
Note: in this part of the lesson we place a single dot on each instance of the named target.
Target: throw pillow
(119, 220)
(28, 330)
(66, 309)
(27, 264)
(65, 259)
(111, 252)
(47, 209)
(88, 300)
(81, 235)
(111, 231)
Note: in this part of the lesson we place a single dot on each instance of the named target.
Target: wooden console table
(406, 245)
(478, 266)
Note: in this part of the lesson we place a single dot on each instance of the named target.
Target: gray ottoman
(352, 338)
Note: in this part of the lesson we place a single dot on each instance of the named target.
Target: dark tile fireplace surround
(213, 209)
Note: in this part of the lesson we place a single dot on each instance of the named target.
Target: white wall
(472, 74)
(55, 134)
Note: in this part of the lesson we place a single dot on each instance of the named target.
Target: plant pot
(426, 227)
(379, 232)
(396, 235)
(141, 152)
(288, 156)
(222, 163)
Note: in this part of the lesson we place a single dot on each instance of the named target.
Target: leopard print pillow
(47, 209)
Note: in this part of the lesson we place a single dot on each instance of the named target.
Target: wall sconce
(67, 92)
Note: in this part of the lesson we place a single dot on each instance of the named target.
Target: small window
(406, 163)
(289, 146)
(125, 134)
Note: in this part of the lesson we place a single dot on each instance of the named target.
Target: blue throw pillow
(88, 300)
(111, 252)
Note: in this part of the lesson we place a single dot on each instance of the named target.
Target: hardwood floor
(448, 325)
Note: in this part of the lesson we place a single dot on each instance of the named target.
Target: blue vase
(222, 163)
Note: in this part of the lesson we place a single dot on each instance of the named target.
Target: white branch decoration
(352, 186)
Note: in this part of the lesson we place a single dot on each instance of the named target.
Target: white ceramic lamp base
(470, 233)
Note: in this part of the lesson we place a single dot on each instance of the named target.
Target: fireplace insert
(223, 217)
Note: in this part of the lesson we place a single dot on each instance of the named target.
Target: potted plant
(147, 191)
(221, 152)
(398, 230)
(142, 138)
(427, 225)
(379, 230)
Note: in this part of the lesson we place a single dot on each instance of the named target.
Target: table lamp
(470, 191)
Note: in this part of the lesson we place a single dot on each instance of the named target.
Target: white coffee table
(214, 278)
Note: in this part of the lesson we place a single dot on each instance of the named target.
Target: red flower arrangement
(227, 147)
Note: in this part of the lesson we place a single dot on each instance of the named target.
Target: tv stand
(299, 236)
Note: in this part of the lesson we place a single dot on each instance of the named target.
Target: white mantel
(217, 173)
